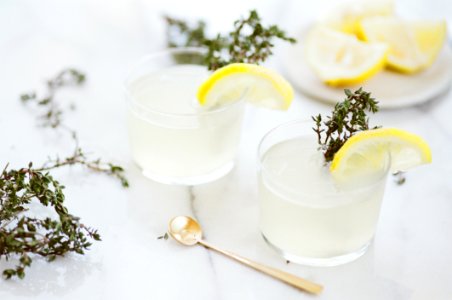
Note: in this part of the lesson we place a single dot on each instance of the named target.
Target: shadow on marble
(56, 278)
(149, 201)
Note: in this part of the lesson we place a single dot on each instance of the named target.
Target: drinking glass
(172, 138)
(307, 215)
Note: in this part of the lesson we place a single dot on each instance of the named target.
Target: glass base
(320, 262)
(191, 180)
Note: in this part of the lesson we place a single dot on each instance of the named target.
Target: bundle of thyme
(347, 118)
(249, 42)
(23, 235)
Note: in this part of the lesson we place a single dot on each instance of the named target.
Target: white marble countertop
(409, 259)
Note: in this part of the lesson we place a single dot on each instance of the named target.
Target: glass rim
(146, 58)
(261, 167)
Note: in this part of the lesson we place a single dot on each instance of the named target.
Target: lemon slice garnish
(367, 151)
(258, 85)
(340, 59)
(413, 45)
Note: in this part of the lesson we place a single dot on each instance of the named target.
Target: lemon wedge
(414, 45)
(341, 59)
(347, 18)
(430, 37)
(258, 85)
(367, 151)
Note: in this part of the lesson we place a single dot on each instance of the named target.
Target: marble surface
(409, 259)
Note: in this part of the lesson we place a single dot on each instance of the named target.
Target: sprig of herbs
(249, 42)
(347, 118)
(52, 117)
(399, 177)
(79, 157)
(180, 34)
(24, 235)
(52, 111)
(163, 236)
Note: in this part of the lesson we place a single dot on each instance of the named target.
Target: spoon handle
(288, 278)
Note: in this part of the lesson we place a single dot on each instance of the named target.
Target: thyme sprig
(52, 117)
(164, 236)
(399, 177)
(79, 157)
(249, 42)
(347, 118)
(52, 111)
(24, 235)
(180, 34)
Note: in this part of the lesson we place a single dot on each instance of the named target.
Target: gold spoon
(188, 232)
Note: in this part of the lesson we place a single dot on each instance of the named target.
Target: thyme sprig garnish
(24, 235)
(249, 42)
(347, 118)
(180, 34)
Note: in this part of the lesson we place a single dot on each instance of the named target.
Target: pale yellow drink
(172, 138)
(304, 213)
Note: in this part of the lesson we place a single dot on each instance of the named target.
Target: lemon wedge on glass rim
(340, 59)
(259, 85)
(413, 45)
(368, 150)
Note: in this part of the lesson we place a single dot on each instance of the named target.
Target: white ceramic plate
(391, 89)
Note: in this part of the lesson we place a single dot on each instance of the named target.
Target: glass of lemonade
(172, 138)
(305, 214)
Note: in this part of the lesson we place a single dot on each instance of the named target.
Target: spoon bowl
(185, 230)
